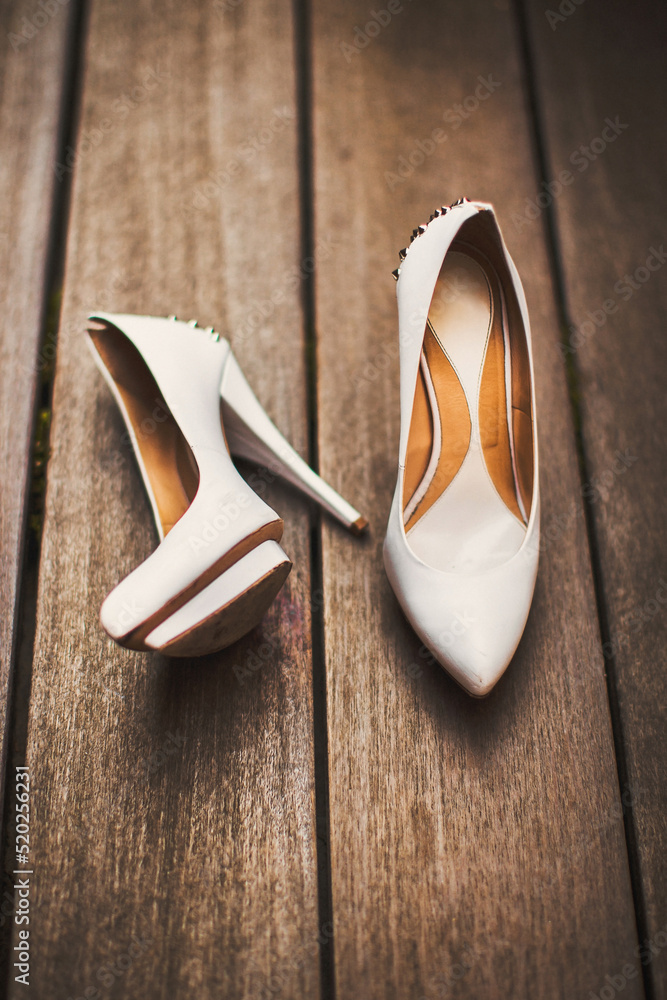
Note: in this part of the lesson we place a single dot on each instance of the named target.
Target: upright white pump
(462, 542)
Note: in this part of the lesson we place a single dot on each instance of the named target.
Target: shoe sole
(225, 610)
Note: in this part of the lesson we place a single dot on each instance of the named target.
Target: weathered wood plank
(32, 71)
(605, 64)
(174, 833)
(477, 848)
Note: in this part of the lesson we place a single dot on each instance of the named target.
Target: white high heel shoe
(218, 566)
(462, 542)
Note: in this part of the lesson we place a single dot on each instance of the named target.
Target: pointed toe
(471, 624)
(480, 655)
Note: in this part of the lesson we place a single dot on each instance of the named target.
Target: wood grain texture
(607, 63)
(31, 87)
(173, 830)
(477, 847)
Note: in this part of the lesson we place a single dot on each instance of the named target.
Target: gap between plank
(573, 378)
(303, 71)
(20, 678)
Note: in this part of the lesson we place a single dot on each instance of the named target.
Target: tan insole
(440, 429)
(166, 455)
(493, 409)
(516, 378)
(439, 389)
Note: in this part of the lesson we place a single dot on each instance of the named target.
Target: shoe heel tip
(359, 526)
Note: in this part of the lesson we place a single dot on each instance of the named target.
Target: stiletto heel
(252, 435)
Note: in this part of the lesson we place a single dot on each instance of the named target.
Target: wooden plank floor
(32, 83)
(611, 222)
(319, 812)
(481, 841)
(173, 801)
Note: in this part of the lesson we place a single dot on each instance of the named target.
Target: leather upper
(471, 621)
